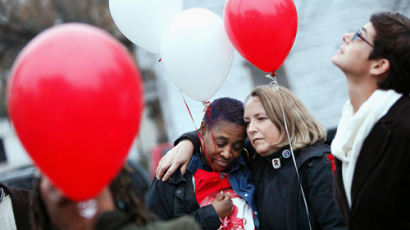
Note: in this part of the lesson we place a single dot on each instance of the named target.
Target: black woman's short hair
(226, 109)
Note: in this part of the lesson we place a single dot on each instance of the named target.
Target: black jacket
(278, 197)
(176, 198)
(381, 182)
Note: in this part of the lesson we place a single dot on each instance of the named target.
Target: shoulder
(399, 112)
(20, 197)
(16, 193)
(318, 150)
(161, 195)
(316, 167)
(315, 161)
(396, 120)
(176, 179)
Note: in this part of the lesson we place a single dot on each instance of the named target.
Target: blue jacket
(176, 197)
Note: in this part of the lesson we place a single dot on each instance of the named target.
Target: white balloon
(197, 53)
(144, 21)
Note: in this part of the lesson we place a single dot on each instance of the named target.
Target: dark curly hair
(225, 108)
(393, 39)
(126, 198)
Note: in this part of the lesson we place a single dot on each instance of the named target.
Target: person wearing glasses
(372, 143)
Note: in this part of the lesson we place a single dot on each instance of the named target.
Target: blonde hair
(303, 128)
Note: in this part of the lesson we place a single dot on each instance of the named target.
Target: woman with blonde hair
(273, 116)
(303, 128)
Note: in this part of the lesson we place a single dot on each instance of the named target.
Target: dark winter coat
(278, 196)
(381, 182)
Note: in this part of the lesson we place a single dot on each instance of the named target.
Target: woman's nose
(251, 127)
(226, 153)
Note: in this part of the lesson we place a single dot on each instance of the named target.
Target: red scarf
(207, 183)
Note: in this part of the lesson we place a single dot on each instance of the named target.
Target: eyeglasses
(358, 34)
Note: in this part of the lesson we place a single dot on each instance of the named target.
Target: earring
(247, 154)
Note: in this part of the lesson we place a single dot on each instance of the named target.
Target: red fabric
(332, 161)
(207, 187)
(207, 183)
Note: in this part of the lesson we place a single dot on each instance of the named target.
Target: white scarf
(353, 128)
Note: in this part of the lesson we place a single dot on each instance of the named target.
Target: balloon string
(273, 82)
(275, 86)
(197, 132)
(207, 110)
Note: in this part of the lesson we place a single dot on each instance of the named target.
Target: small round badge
(286, 153)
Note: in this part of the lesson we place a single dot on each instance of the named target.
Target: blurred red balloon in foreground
(263, 31)
(75, 99)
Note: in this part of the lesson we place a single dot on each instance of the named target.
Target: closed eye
(238, 146)
(220, 145)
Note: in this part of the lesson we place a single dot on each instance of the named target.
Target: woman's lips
(256, 140)
(223, 164)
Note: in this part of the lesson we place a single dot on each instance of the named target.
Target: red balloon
(263, 31)
(75, 99)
